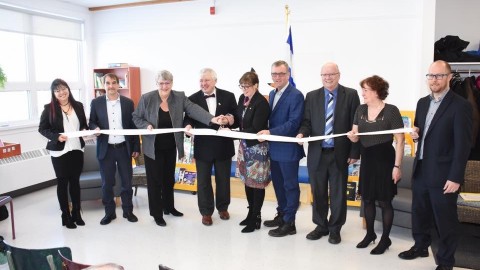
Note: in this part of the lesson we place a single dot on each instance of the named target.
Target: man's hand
(450, 187)
(414, 133)
(98, 133)
(230, 119)
(150, 127)
(263, 132)
(350, 161)
(135, 154)
(299, 136)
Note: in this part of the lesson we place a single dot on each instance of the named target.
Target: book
(189, 177)
(351, 191)
(354, 169)
(179, 174)
(115, 65)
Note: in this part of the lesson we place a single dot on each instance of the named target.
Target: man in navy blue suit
(286, 114)
(114, 152)
(443, 128)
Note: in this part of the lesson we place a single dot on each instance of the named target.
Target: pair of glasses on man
(244, 86)
(436, 76)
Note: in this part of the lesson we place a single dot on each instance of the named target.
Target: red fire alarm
(212, 10)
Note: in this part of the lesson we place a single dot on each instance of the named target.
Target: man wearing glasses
(286, 113)
(443, 128)
(329, 110)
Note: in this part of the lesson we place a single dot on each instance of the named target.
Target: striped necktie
(329, 119)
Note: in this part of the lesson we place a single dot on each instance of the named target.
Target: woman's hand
(62, 138)
(396, 174)
(352, 136)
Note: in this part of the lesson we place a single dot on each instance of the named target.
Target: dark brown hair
(378, 84)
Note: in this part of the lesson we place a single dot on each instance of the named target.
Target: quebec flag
(290, 51)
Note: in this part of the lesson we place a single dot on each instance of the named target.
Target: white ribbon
(224, 133)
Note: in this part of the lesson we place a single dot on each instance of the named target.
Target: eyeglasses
(244, 87)
(281, 74)
(164, 83)
(327, 75)
(436, 76)
(60, 89)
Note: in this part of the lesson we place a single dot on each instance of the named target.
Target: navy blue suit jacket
(99, 118)
(448, 140)
(285, 120)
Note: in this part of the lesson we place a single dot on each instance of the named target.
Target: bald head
(330, 75)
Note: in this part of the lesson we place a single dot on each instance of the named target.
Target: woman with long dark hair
(65, 114)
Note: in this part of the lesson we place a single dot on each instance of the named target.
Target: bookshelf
(129, 81)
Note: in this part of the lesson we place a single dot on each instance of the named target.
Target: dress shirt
(114, 113)
(212, 103)
(278, 94)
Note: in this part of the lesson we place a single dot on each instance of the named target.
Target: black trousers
(431, 207)
(206, 202)
(68, 168)
(160, 180)
(329, 176)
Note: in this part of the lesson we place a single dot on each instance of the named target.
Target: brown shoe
(207, 220)
(224, 215)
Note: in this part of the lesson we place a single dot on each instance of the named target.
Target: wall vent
(25, 156)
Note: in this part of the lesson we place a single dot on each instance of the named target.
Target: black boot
(249, 215)
(253, 223)
(67, 221)
(76, 216)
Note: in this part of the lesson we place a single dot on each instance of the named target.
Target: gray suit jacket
(146, 114)
(313, 124)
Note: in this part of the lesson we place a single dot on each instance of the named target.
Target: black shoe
(275, 222)
(77, 217)
(67, 221)
(413, 253)
(160, 221)
(174, 212)
(334, 238)
(316, 234)
(382, 246)
(288, 228)
(249, 215)
(369, 238)
(253, 223)
(444, 267)
(130, 217)
(107, 219)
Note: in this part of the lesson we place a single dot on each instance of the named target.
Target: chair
(4, 200)
(139, 173)
(91, 179)
(38, 259)
(68, 264)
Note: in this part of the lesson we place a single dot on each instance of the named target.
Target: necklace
(66, 111)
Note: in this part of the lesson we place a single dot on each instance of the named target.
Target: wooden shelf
(129, 78)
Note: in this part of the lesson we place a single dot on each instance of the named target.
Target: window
(35, 49)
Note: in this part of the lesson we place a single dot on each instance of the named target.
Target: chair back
(68, 264)
(472, 177)
(27, 259)
(90, 161)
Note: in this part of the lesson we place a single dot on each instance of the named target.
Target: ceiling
(94, 5)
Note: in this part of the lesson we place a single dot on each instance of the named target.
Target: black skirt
(376, 168)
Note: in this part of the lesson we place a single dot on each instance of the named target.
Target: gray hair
(281, 63)
(164, 75)
(209, 71)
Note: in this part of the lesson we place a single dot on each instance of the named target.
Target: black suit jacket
(99, 118)
(208, 148)
(313, 124)
(256, 115)
(52, 130)
(448, 139)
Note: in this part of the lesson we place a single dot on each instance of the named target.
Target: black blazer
(448, 140)
(99, 118)
(256, 115)
(52, 130)
(208, 148)
(313, 124)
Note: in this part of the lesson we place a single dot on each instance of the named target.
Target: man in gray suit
(329, 110)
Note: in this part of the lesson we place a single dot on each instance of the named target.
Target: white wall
(364, 37)
(459, 18)
(393, 39)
